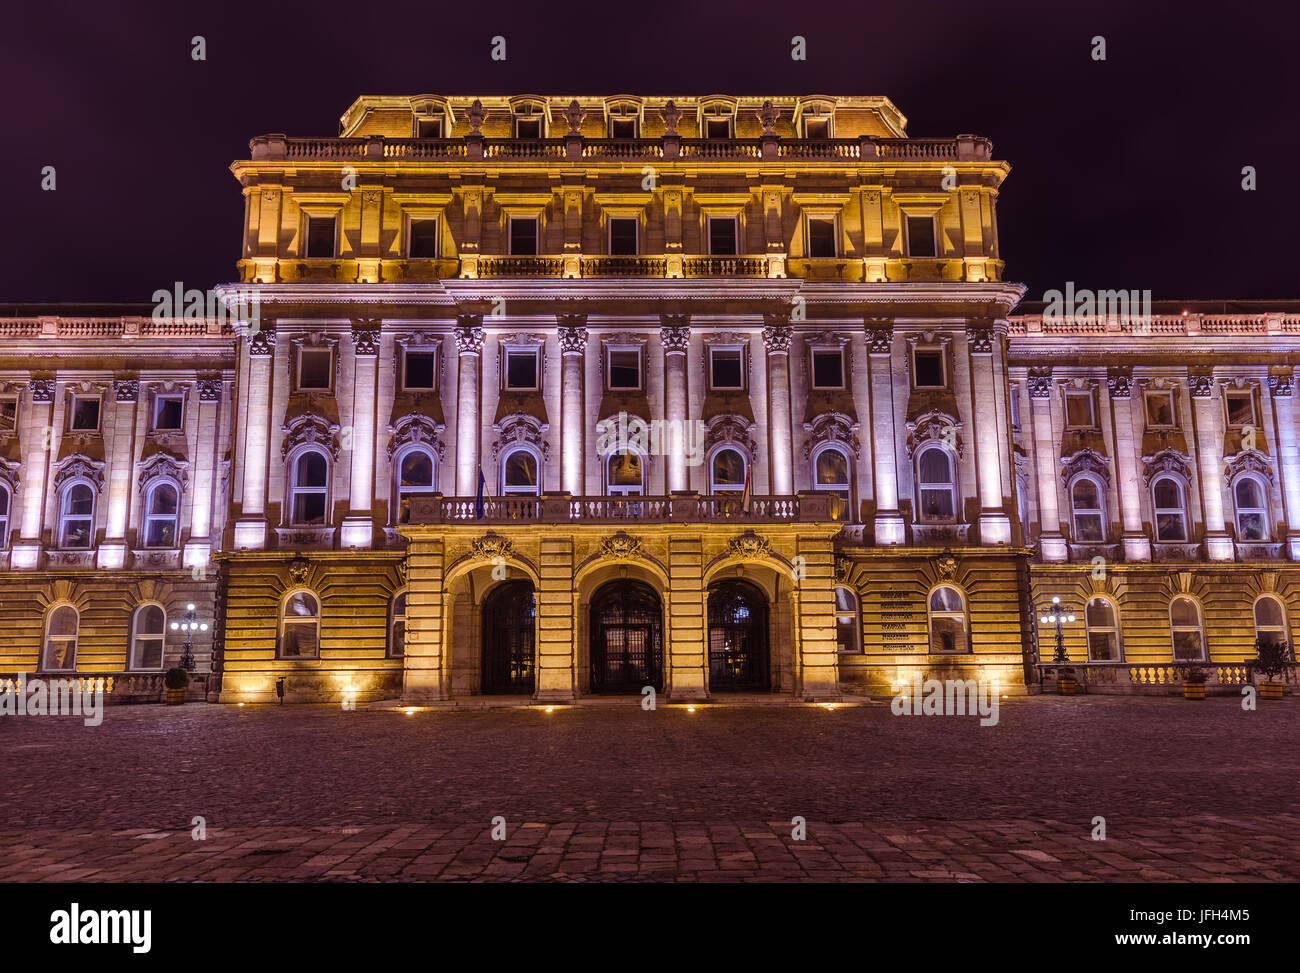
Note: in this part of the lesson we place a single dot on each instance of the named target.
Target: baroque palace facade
(751, 403)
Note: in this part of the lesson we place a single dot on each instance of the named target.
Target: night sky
(1125, 173)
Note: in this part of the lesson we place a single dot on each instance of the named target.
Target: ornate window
(416, 468)
(831, 474)
(148, 633)
(61, 639)
(1167, 498)
(1086, 502)
(77, 515)
(848, 622)
(309, 493)
(727, 470)
(5, 502)
(947, 620)
(936, 485)
(625, 471)
(1270, 620)
(1251, 500)
(1186, 630)
(1103, 630)
(160, 514)
(300, 626)
(397, 626)
(519, 472)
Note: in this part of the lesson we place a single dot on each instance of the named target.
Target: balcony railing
(561, 508)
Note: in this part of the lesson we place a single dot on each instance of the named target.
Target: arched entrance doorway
(508, 632)
(627, 646)
(738, 651)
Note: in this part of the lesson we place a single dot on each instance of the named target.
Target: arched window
(300, 626)
(1270, 621)
(310, 488)
(936, 485)
(1103, 631)
(148, 632)
(415, 469)
(848, 625)
(727, 471)
(160, 506)
(947, 611)
(1185, 628)
(61, 639)
(1171, 514)
(397, 626)
(831, 474)
(77, 515)
(1089, 514)
(4, 516)
(625, 474)
(519, 473)
(1250, 497)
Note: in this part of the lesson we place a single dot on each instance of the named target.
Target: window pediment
(309, 429)
(934, 426)
(416, 429)
(831, 427)
(1166, 461)
(1250, 461)
(1085, 461)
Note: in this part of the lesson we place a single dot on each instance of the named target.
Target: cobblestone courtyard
(1189, 791)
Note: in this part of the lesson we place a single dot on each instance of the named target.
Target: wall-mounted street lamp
(1056, 614)
(189, 627)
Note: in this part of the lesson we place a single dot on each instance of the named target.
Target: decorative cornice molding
(162, 466)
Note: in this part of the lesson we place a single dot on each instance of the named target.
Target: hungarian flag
(746, 495)
(478, 498)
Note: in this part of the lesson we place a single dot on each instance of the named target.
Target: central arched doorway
(738, 651)
(627, 646)
(508, 636)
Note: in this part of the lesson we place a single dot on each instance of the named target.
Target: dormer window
(717, 128)
(622, 128)
(530, 121)
(428, 128)
(817, 128)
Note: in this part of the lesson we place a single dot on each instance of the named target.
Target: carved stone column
(573, 349)
(358, 525)
(675, 333)
(884, 447)
(983, 343)
(776, 339)
(1051, 540)
(1137, 546)
(1209, 457)
(1288, 465)
(469, 344)
(250, 528)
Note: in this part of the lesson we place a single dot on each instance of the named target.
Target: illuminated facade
(751, 407)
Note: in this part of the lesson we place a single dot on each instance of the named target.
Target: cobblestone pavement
(1189, 791)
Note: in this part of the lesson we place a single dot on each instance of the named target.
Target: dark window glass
(622, 237)
(419, 369)
(722, 236)
(1241, 408)
(521, 370)
(828, 369)
(320, 236)
(624, 369)
(920, 236)
(622, 128)
(528, 128)
(717, 128)
(523, 236)
(424, 239)
(1078, 411)
(429, 128)
(1160, 409)
(821, 238)
(85, 414)
(314, 368)
(167, 414)
(929, 369)
(726, 369)
(817, 128)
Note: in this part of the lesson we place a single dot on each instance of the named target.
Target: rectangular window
(8, 414)
(419, 370)
(1079, 410)
(523, 236)
(722, 236)
(424, 239)
(725, 368)
(521, 369)
(320, 236)
(528, 128)
(622, 128)
(1241, 408)
(821, 237)
(1160, 409)
(717, 128)
(816, 128)
(921, 237)
(314, 368)
(927, 368)
(624, 368)
(168, 411)
(828, 369)
(85, 412)
(428, 128)
(622, 236)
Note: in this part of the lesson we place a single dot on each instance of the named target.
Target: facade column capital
(261, 343)
(880, 336)
(1200, 384)
(1279, 382)
(675, 333)
(573, 334)
(469, 334)
(1039, 383)
(365, 336)
(777, 335)
(1120, 382)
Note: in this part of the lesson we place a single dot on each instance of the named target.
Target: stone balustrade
(1158, 678)
(563, 508)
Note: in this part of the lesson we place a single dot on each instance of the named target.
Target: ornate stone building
(745, 391)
